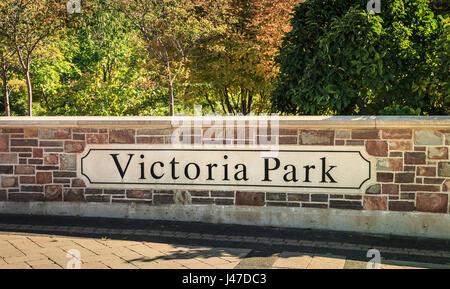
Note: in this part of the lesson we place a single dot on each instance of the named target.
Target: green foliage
(339, 59)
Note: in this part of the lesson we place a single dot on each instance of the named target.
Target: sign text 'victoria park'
(287, 169)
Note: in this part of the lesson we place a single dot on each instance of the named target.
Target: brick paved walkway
(164, 245)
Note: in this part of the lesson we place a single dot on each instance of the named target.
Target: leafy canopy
(339, 59)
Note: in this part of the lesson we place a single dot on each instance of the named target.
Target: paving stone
(327, 262)
(16, 266)
(293, 260)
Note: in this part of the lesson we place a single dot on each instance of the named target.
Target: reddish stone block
(287, 140)
(400, 145)
(44, 177)
(74, 195)
(402, 178)
(85, 130)
(3, 195)
(11, 130)
(446, 186)
(419, 188)
(397, 134)
(122, 136)
(4, 143)
(78, 183)
(55, 133)
(287, 131)
(74, 146)
(27, 179)
(53, 193)
(298, 197)
(97, 138)
(385, 177)
(426, 171)
(415, 158)
(434, 203)
(365, 134)
(377, 148)
(51, 159)
(438, 153)
(23, 170)
(394, 164)
(403, 206)
(375, 203)
(10, 182)
(139, 194)
(30, 132)
(249, 199)
(390, 189)
(317, 137)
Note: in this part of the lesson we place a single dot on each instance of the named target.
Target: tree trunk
(6, 95)
(172, 101)
(29, 91)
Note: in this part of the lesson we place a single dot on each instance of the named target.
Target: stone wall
(38, 162)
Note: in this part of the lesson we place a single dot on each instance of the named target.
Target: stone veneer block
(375, 203)
(438, 153)
(4, 143)
(122, 136)
(377, 148)
(317, 137)
(435, 203)
(249, 199)
(8, 158)
(444, 169)
(59, 133)
(428, 137)
(397, 134)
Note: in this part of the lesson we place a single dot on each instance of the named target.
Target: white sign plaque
(293, 169)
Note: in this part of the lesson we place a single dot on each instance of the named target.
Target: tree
(171, 30)
(339, 59)
(238, 67)
(6, 63)
(25, 24)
